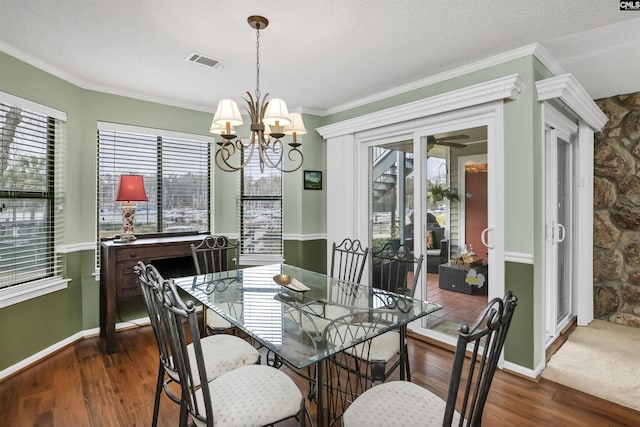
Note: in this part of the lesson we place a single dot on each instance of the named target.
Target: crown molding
(508, 87)
(84, 84)
(535, 49)
(437, 78)
(568, 90)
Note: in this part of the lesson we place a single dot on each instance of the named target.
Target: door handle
(484, 237)
(561, 232)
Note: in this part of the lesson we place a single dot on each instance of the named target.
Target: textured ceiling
(317, 55)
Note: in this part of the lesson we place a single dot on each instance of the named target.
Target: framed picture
(313, 180)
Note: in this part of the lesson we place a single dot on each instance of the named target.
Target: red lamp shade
(131, 189)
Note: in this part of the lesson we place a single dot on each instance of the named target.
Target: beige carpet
(602, 359)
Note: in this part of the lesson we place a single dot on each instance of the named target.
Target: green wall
(522, 191)
(34, 325)
(76, 308)
(310, 254)
(520, 344)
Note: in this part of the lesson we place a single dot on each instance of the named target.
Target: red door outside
(476, 207)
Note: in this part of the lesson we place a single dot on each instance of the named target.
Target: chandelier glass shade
(270, 122)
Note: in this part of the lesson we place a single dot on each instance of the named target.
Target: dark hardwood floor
(82, 386)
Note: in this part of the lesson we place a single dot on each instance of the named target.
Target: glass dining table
(291, 311)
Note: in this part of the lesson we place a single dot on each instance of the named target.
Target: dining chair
(394, 269)
(212, 255)
(255, 395)
(348, 370)
(348, 260)
(469, 385)
(223, 353)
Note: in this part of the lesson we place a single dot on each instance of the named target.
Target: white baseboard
(521, 370)
(60, 345)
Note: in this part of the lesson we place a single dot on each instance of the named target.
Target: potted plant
(438, 193)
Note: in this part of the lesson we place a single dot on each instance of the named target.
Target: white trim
(260, 259)
(518, 257)
(25, 291)
(91, 246)
(16, 101)
(304, 237)
(76, 247)
(584, 227)
(508, 87)
(534, 49)
(43, 354)
(568, 90)
(60, 345)
(48, 68)
(521, 370)
(119, 127)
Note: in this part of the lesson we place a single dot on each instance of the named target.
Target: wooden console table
(170, 255)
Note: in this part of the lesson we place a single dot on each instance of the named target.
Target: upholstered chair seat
(251, 396)
(412, 405)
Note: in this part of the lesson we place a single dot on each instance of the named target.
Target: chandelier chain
(258, 64)
(269, 148)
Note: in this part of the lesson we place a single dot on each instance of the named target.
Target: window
(176, 175)
(260, 214)
(32, 156)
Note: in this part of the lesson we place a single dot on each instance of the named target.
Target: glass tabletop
(302, 327)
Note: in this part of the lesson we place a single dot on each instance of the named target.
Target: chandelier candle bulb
(295, 128)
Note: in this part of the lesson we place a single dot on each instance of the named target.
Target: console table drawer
(127, 285)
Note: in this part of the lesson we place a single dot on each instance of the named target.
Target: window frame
(53, 194)
(258, 258)
(158, 134)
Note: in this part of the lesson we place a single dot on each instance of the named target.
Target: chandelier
(270, 122)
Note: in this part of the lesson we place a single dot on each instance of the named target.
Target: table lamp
(130, 189)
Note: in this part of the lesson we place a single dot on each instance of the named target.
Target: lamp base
(128, 219)
(125, 239)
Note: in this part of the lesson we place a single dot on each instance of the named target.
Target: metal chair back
(395, 269)
(214, 254)
(489, 332)
(150, 282)
(348, 260)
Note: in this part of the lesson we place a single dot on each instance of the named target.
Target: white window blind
(176, 175)
(32, 180)
(260, 212)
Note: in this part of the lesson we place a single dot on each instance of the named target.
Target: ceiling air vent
(204, 60)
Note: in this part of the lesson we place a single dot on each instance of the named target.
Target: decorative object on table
(312, 180)
(467, 261)
(263, 113)
(290, 283)
(467, 257)
(130, 189)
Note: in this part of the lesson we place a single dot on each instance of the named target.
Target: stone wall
(616, 215)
